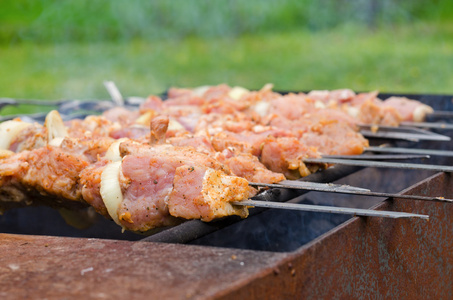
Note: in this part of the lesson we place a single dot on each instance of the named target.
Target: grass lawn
(413, 59)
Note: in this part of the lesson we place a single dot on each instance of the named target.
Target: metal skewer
(331, 209)
(378, 157)
(350, 190)
(380, 164)
(312, 186)
(441, 113)
(428, 125)
(410, 151)
(404, 135)
(114, 92)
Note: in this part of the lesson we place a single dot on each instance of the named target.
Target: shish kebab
(32, 165)
(124, 182)
(405, 112)
(301, 173)
(366, 108)
(231, 91)
(116, 95)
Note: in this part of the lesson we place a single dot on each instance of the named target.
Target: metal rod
(409, 129)
(441, 113)
(114, 92)
(404, 136)
(307, 185)
(410, 151)
(32, 116)
(331, 209)
(380, 164)
(428, 125)
(12, 101)
(351, 191)
(378, 157)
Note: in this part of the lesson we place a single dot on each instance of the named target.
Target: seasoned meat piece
(373, 112)
(123, 116)
(335, 138)
(91, 126)
(159, 126)
(49, 171)
(210, 193)
(249, 167)
(410, 110)
(284, 155)
(201, 143)
(90, 181)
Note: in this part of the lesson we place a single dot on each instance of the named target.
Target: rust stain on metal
(374, 257)
(54, 267)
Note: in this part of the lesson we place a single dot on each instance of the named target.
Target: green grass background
(66, 49)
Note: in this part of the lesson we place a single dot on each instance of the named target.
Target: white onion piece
(421, 111)
(55, 126)
(319, 105)
(353, 111)
(111, 190)
(56, 142)
(9, 130)
(113, 152)
(199, 91)
(146, 118)
(237, 92)
(267, 88)
(262, 108)
(174, 125)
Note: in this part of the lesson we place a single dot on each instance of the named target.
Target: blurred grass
(65, 49)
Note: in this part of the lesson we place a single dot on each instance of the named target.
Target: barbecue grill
(272, 254)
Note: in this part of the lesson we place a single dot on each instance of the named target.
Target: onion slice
(111, 190)
(146, 118)
(56, 130)
(9, 130)
(421, 111)
(237, 92)
(113, 152)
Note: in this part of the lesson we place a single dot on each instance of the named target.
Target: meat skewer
(93, 170)
(126, 217)
(127, 190)
(107, 194)
(147, 188)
